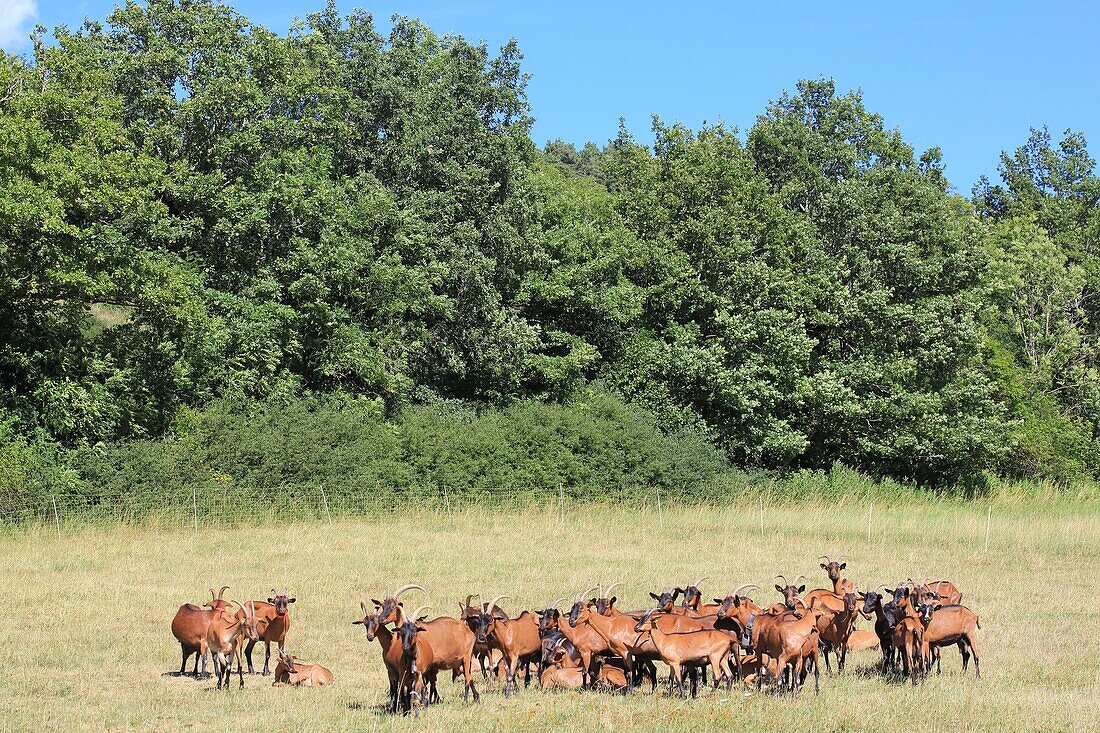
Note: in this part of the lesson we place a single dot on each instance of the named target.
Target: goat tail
(977, 622)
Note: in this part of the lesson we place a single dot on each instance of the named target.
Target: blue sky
(968, 77)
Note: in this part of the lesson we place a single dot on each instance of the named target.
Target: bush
(595, 443)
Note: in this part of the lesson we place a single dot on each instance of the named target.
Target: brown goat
(689, 647)
(223, 638)
(832, 568)
(273, 619)
(428, 648)
(860, 640)
(289, 671)
(517, 639)
(945, 625)
(908, 638)
(392, 654)
(835, 627)
(189, 626)
(943, 591)
(788, 637)
(483, 653)
(791, 592)
(608, 677)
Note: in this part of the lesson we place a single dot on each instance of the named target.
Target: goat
(861, 641)
(733, 614)
(517, 639)
(189, 626)
(428, 648)
(886, 616)
(614, 635)
(832, 568)
(608, 677)
(223, 638)
(942, 590)
(387, 607)
(289, 671)
(693, 598)
(908, 638)
(483, 653)
(788, 637)
(791, 592)
(945, 625)
(273, 618)
(584, 638)
(392, 655)
(689, 647)
(834, 629)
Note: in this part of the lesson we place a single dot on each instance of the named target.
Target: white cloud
(13, 14)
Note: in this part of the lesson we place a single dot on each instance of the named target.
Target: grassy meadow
(86, 641)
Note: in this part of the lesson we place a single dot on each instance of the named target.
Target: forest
(206, 227)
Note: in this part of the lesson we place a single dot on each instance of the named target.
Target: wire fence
(216, 504)
(207, 504)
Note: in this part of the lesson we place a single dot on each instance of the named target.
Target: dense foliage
(195, 211)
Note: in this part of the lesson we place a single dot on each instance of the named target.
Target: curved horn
(471, 597)
(696, 583)
(613, 586)
(397, 593)
(784, 578)
(800, 577)
(492, 604)
(737, 591)
(213, 597)
(583, 593)
(416, 614)
(825, 557)
(224, 588)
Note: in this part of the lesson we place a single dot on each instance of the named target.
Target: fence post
(869, 510)
(56, 518)
(660, 510)
(761, 514)
(561, 503)
(988, 519)
(325, 500)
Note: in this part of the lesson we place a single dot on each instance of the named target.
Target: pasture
(86, 642)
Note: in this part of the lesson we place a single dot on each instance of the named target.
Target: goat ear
(718, 600)
(889, 590)
(654, 596)
(360, 621)
(843, 565)
(778, 587)
(291, 600)
(612, 601)
(937, 606)
(375, 602)
(802, 589)
(862, 596)
(271, 601)
(824, 566)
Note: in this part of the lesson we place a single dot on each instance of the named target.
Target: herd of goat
(594, 644)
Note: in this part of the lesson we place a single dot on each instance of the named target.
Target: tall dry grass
(86, 642)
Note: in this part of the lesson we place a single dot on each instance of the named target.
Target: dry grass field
(86, 644)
